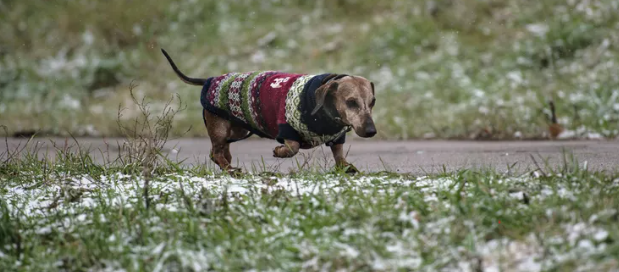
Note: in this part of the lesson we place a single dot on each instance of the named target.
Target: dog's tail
(183, 77)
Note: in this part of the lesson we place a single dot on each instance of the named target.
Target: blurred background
(456, 69)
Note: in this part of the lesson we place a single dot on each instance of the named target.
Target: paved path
(417, 157)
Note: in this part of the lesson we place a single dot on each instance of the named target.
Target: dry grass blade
(538, 167)
(146, 137)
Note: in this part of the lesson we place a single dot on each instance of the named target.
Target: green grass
(72, 214)
(443, 69)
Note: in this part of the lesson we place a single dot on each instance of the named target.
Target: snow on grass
(322, 222)
(36, 198)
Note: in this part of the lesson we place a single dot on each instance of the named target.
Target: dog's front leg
(340, 160)
(287, 150)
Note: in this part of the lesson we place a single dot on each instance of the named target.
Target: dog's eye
(373, 102)
(352, 104)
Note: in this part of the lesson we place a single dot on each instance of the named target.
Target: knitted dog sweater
(273, 105)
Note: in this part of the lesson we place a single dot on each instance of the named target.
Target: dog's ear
(372, 83)
(332, 77)
(321, 95)
(328, 77)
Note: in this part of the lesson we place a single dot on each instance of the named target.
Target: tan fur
(220, 130)
(361, 91)
(338, 94)
(287, 150)
(352, 97)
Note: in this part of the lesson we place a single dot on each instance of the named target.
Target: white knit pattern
(234, 97)
(220, 84)
(293, 115)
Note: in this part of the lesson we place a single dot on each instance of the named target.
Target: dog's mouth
(367, 135)
(367, 130)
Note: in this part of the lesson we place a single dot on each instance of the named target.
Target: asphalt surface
(417, 157)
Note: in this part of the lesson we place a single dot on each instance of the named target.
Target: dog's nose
(370, 131)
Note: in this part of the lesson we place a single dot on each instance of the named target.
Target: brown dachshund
(298, 110)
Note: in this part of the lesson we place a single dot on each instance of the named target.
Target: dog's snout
(370, 129)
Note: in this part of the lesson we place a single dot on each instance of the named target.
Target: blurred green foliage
(443, 68)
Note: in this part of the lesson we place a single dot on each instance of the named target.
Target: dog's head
(352, 99)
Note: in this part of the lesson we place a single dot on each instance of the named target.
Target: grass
(443, 69)
(447, 69)
(73, 214)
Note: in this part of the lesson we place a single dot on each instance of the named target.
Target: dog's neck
(327, 120)
(329, 116)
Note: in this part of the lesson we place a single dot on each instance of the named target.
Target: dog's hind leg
(227, 153)
(219, 130)
(236, 132)
(218, 155)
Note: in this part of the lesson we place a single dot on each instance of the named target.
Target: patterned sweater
(273, 105)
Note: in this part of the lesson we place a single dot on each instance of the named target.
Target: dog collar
(339, 120)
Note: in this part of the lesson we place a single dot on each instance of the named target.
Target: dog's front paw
(234, 172)
(348, 168)
(283, 151)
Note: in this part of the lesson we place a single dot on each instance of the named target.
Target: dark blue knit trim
(319, 123)
(286, 132)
